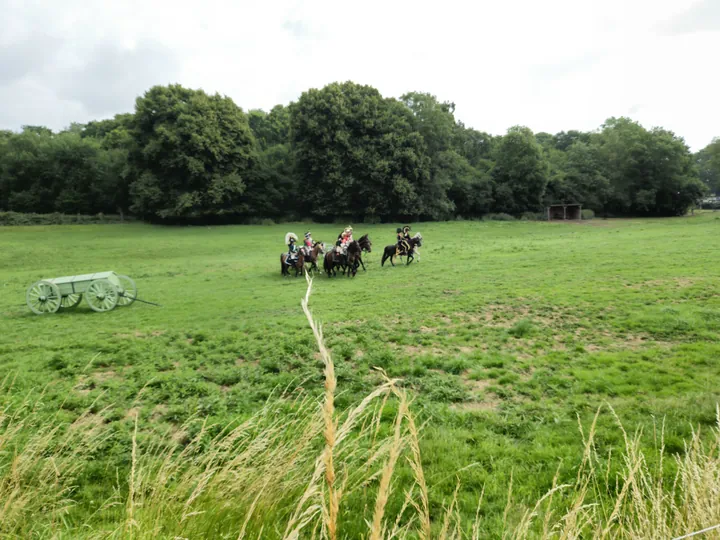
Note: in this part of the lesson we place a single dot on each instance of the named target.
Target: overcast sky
(551, 65)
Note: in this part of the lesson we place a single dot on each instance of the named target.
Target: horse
(365, 245)
(311, 255)
(298, 265)
(354, 252)
(345, 262)
(390, 251)
(332, 261)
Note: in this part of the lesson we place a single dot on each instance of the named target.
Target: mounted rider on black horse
(403, 241)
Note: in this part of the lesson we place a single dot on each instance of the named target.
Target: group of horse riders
(403, 245)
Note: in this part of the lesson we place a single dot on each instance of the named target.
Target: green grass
(507, 333)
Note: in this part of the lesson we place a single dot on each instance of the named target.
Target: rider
(344, 239)
(308, 242)
(403, 236)
(292, 251)
(400, 240)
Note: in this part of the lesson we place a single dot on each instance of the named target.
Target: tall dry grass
(300, 468)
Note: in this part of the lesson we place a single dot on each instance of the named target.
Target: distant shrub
(371, 220)
(19, 218)
(498, 217)
(260, 221)
(587, 213)
(533, 216)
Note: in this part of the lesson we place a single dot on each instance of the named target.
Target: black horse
(347, 262)
(391, 251)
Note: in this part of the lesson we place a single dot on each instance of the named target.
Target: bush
(260, 221)
(371, 220)
(533, 216)
(587, 213)
(19, 218)
(498, 217)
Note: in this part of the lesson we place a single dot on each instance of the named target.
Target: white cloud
(552, 65)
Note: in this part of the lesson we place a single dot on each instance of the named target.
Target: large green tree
(192, 154)
(270, 128)
(360, 156)
(469, 188)
(520, 172)
(42, 171)
(708, 164)
(650, 172)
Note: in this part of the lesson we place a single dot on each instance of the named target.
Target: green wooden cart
(103, 291)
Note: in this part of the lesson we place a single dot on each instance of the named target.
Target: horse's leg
(363, 265)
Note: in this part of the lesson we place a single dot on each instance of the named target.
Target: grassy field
(507, 335)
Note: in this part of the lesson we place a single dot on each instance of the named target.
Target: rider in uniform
(403, 235)
(292, 250)
(400, 239)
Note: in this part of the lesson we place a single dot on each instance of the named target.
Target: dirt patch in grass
(104, 376)
(679, 282)
(158, 412)
(476, 406)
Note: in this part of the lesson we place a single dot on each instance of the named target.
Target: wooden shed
(564, 211)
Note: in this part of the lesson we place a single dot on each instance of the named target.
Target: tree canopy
(340, 152)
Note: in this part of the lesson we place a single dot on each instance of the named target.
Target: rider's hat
(399, 230)
(348, 229)
(307, 234)
(292, 240)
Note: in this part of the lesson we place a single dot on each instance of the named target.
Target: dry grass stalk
(416, 464)
(333, 499)
(377, 530)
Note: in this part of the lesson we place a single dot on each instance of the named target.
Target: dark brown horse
(365, 245)
(332, 261)
(391, 251)
(354, 254)
(298, 264)
(311, 256)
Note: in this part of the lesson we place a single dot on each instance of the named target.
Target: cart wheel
(102, 295)
(43, 297)
(129, 291)
(70, 301)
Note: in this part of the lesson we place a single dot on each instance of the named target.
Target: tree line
(340, 152)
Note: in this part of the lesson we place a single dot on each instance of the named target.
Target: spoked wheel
(70, 301)
(43, 297)
(129, 291)
(102, 295)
